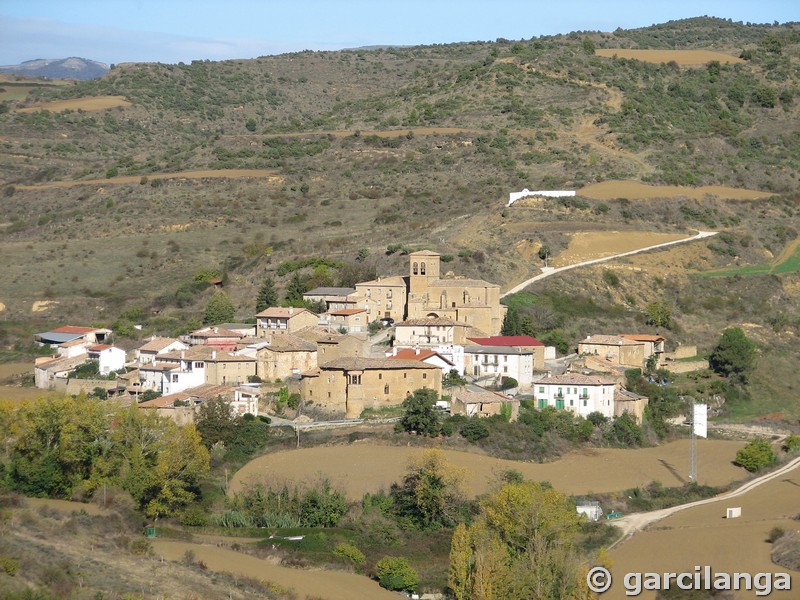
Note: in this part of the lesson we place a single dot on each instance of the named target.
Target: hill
(59, 68)
(118, 194)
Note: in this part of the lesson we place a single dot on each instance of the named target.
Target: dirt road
(548, 271)
(632, 523)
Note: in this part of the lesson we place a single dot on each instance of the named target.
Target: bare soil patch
(89, 104)
(597, 244)
(634, 190)
(270, 175)
(702, 536)
(8, 370)
(66, 506)
(366, 467)
(685, 58)
(318, 583)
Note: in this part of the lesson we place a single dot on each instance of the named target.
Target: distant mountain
(59, 68)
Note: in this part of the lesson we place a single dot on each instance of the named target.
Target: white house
(147, 354)
(495, 362)
(580, 394)
(174, 372)
(110, 358)
(424, 355)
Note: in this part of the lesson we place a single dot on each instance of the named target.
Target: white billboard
(700, 420)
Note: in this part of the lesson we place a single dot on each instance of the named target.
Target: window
(175, 378)
(386, 389)
(415, 269)
(380, 375)
(505, 369)
(389, 293)
(422, 269)
(541, 389)
(424, 375)
(354, 379)
(584, 403)
(405, 375)
(585, 392)
(198, 365)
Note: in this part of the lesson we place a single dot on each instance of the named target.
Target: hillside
(59, 68)
(114, 206)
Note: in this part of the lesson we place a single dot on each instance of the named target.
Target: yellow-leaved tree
(521, 546)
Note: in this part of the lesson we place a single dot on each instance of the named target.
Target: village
(437, 332)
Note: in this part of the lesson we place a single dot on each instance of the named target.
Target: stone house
(282, 356)
(580, 394)
(482, 404)
(345, 387)
(629, 402)
(383, 297)
(283, 320)
(332, 345)
(335, 298)
(616, 349)
(352, 320)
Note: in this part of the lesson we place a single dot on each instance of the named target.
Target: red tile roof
(73, 329)
(642, 337)
(507, 340)
(412, 354)
(346, 312)
(99, 347)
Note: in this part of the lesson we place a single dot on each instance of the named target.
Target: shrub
(792, 443)
(141, 547)
(475, 429)
(349, 552)
(194, 516)
(756, 455)
(9, 565)
(394, 573)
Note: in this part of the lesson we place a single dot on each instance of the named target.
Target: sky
(172, 31)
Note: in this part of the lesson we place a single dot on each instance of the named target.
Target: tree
(421, 415)
(267, 295)
(219, 309)
(250, 124)
(216, 422)
(520, 546)
(453, 379)
(511, 322)
(734, 356)
(756, 455)
(295, 290)
(475, 429)
(429, 496)
(659, 314)
(395, 573)
(588, 45)
(544, 253)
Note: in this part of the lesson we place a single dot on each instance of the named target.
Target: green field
(791, 264)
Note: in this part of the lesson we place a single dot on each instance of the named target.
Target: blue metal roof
(52, 337)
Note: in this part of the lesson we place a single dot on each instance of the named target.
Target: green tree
(295, 290)
(588, 45)
(659, 314)
(216, 422)
(475, 429)
(395, 573)
(420, 414)
(625, 430)
(756, 455)
(267, 295)
(250, 124)
(544, 253)
(765, 96)
(520, 546)
(429, 496)
(511, 322)
(453, 379)
(219, 309)
(734, 356)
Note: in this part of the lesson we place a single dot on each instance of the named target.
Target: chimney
(416, 350)
(216, 329)
(213, 355)
(183, 354)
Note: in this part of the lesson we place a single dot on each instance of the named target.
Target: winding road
(632, 523)
(548, 271)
